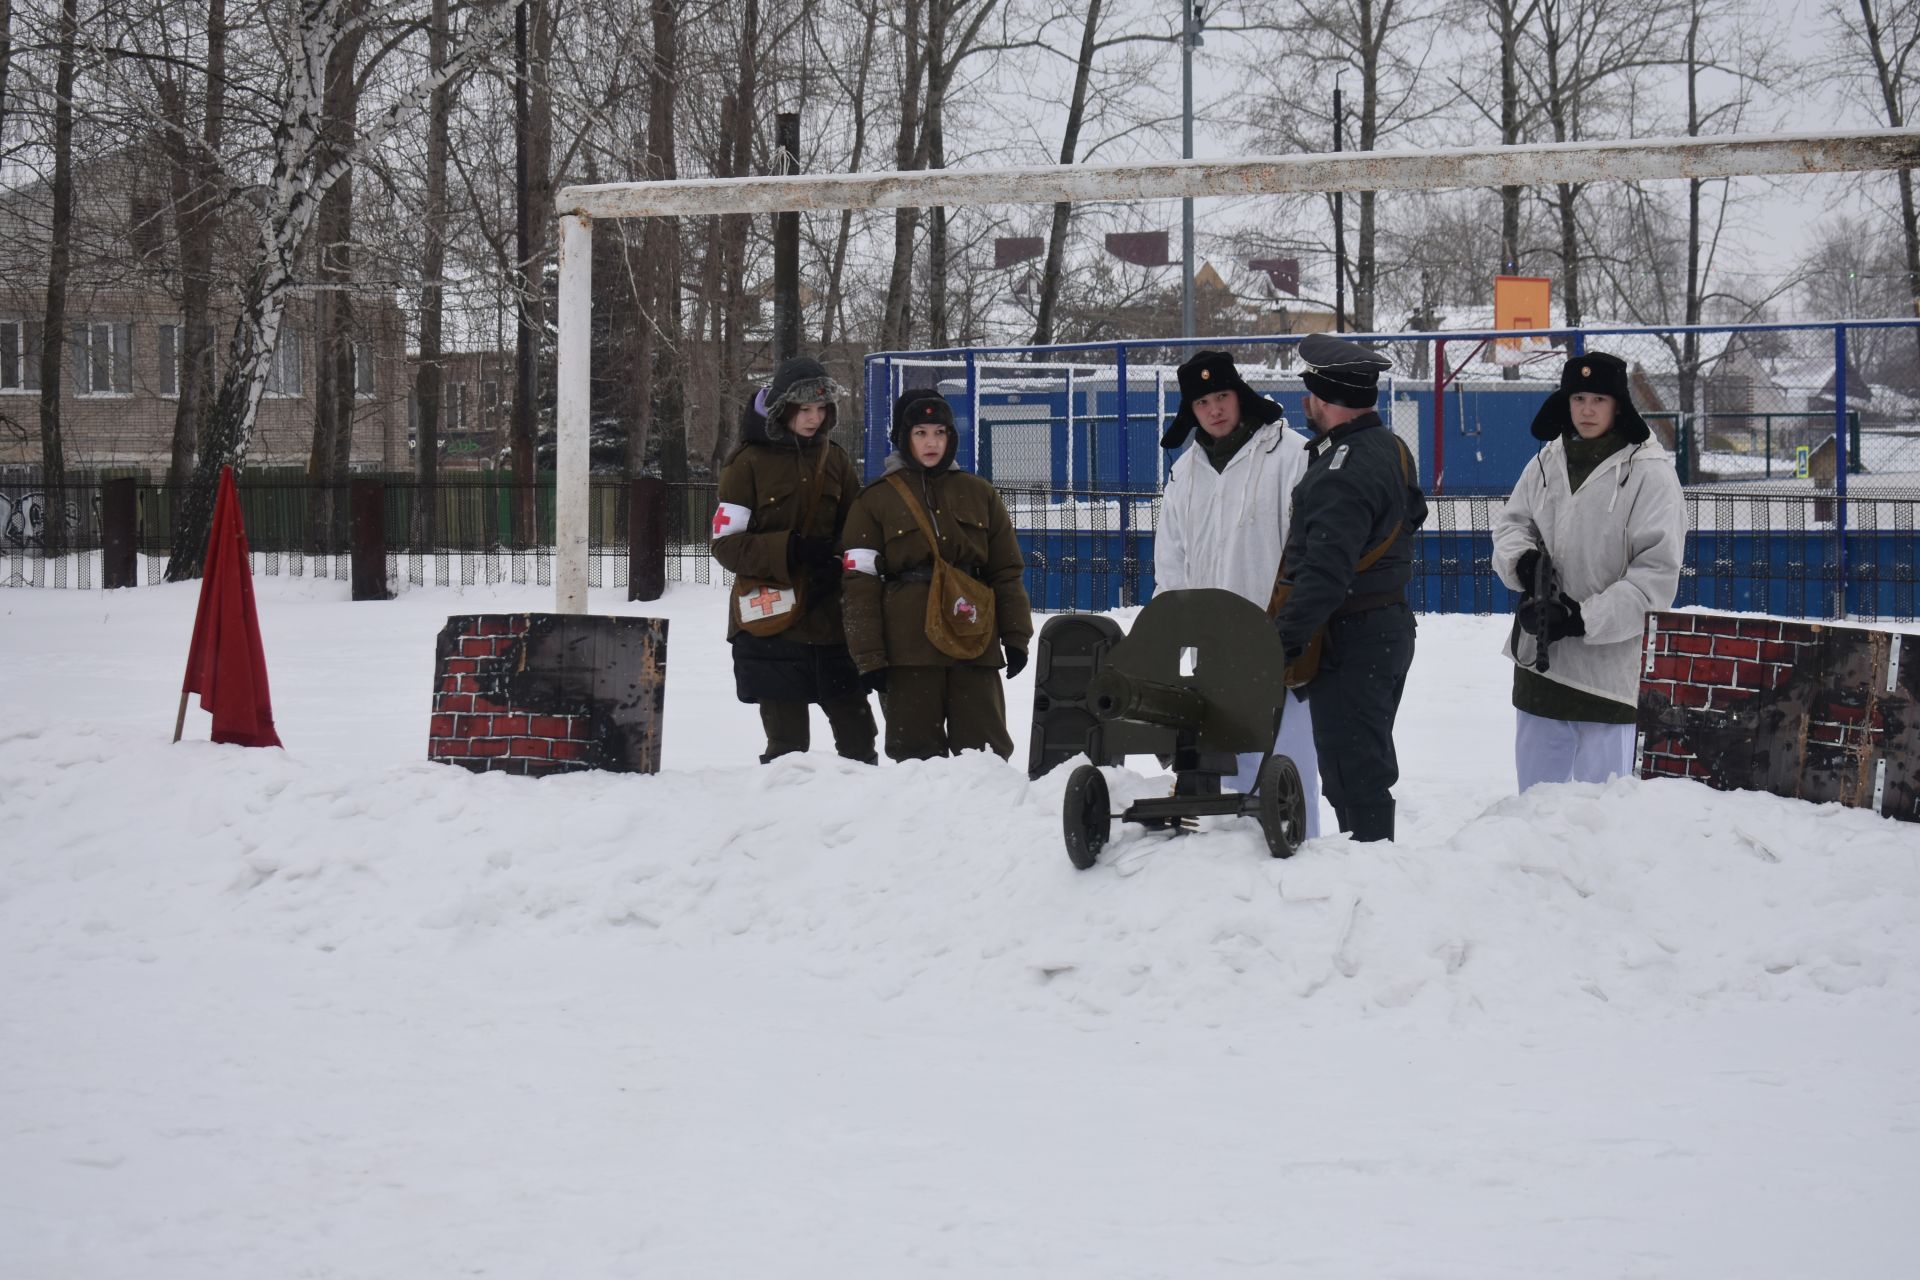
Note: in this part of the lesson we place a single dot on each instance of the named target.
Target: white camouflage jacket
(1226, 529)
(1617, 545)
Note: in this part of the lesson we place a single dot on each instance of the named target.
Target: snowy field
(338, 1012)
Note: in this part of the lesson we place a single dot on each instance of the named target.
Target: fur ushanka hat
(1601, 374)
(1206, 373)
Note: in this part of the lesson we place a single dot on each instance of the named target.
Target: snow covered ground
(338, 1012)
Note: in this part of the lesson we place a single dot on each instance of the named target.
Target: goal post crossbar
(1533, 165)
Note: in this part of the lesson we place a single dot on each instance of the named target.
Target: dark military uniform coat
(886, 591)
(774, 480)
(1347, 503)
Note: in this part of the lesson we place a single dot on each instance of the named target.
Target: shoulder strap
(1406, 477)
(919, 513)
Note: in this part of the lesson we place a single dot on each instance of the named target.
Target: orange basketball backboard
(1521, 302)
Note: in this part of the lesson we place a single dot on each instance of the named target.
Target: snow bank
(334, 1010)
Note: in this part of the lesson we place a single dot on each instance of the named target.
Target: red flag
(226, 665)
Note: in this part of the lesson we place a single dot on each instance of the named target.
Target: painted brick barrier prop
(541, 693)
(1811, 710)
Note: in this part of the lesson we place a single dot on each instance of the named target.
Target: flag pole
(180, 720)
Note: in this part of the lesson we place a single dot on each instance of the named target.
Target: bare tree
(193, 150)
(1069, 145)
(430, 373)
(333, 279)
(1886, 80)
(1385, 44)
(302, 174)
(1500, 102)
(1580, 56)
(855, 94)
(53, 461)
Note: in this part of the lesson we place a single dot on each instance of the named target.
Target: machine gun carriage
(1199, 680)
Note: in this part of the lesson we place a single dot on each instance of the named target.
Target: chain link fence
(1736, 405)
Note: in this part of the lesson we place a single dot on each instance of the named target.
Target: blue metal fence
(1799, 445)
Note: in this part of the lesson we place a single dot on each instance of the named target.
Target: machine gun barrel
(1116, 696)
(1545, 586)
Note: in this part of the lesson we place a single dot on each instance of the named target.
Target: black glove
(1016, 660)
(874, 681)
(1551, 620)
(1529, 561)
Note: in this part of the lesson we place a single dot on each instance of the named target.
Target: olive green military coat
(886, 617)
(774, 481)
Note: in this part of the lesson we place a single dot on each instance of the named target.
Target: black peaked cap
(1341, 371)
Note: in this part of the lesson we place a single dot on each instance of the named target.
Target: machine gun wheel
(1086, 817)
(1283, 807)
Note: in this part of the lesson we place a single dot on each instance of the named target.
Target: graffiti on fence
(23, 519)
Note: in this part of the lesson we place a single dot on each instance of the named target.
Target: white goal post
(1535, 165)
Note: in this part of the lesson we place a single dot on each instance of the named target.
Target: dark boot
(854, 732)
(1372, 821)
(786, 727)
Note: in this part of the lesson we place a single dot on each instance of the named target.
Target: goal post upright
(1533, 165)
(573, 414)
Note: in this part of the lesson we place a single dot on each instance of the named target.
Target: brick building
(122, 363)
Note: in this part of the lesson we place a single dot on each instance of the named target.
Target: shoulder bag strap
(919, 513)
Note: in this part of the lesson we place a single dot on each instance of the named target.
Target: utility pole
(786, 246)
(1192, 19)
(1339, 228)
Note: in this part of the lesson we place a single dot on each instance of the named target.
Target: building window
(167, 377)
(363, 358)
(490, 396)
(457, 406)
(103, 364)
(284, 367)
(146, 229)
(19, 355)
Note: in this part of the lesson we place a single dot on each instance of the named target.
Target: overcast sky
(1780, 215)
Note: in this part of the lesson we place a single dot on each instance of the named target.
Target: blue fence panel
(1742, 404)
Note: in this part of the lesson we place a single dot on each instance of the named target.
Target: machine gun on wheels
(1200, 679)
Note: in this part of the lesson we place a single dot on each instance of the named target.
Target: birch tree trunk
(291, 201)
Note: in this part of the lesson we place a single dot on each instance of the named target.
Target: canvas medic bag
(1305, 667)
(960, 608)
(768, 608)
